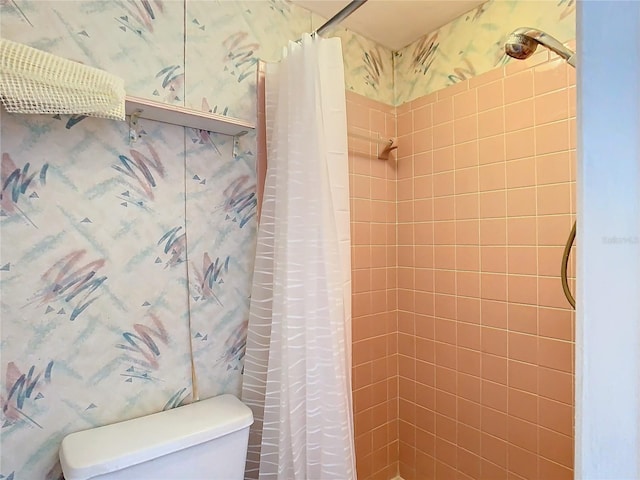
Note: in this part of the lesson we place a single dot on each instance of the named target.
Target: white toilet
(204, 440)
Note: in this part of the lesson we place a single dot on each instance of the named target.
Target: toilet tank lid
(113, 447)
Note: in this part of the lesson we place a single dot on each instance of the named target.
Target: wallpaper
(473, 44)
(119, 259)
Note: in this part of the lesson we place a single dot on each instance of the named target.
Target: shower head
(523, 42)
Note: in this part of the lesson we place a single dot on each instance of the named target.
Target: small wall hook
(133, 126)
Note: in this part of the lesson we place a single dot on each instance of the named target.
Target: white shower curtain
(298, 360)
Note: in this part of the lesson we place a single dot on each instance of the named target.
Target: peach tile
(523, 347)
(523, 462)
(493, 259)
(494, 472)
(444, 257)
(523, 318)
(518, 86)
(468, 309)
(552, 137)
(469, 413)
(464, 104)
(493, 286)
(522, 289)
(523, 434)
(468, 335)
(467, 232)
(550, 260)
(494, 341)
(445, 330)
(467, 284)
(522, 260)
(523, 405)
(443, 208)
(554, 199)
(555, 354)
(443, 111)
(556, 447)
(521, 173)
(555, 416)
(469, 438)
(445, 282)
(494, 395)
(493, 204)
(466, 129)
(443, 184)
(491, 122)
(549, 469)
(572, 101)
(493, 231)
(519, 115)
(469, 361)
(422, 118)
(523, 376)
(491, 149)
(550, 293)
(421, 211)
(494, 423)
(424, 100)
(456, 87)
(490, 76)
(468, 463)
(466, 180)
(446, 403)
(446, 377)
(555, 385)
(443, 135)
(556, 323)
(444, 233)
(443, 159)
(469, 387)
(521, 202)
(466, 154)
(494, 314)
(553, 168)
(466, 207)
(550, 76)
(423, 163)
(492, 177)
(494, 449)
(490, 95)
(494, 368)
(520, 144)
(552, 106)
(423, 141)
(515, 66)
(553, 230)
(425, 373)
(468, 258)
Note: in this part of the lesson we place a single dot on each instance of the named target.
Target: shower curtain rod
(341, 15)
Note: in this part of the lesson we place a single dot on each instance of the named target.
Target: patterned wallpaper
(473, 44)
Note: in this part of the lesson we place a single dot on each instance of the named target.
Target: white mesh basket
(33, 81)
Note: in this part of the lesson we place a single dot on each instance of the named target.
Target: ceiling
(393, 23)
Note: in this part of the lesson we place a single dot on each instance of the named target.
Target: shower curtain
(297, 367)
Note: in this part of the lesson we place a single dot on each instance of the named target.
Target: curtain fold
(298, 361)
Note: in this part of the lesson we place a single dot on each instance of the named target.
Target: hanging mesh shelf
(33, 81)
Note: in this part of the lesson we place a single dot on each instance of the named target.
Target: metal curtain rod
(341, 15)
(390, 144)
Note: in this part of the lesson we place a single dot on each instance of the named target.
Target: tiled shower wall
(486, 199)
(373, 237)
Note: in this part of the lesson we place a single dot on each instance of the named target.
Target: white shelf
(186, 117)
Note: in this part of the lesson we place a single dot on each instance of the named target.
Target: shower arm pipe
(341, 15)
(551, 43)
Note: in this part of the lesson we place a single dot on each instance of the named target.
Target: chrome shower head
(522, 43)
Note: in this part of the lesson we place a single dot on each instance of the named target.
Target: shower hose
(565, 266)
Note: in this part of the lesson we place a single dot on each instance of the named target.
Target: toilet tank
(204, 440)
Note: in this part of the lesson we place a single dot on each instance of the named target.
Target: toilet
(204, 440)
